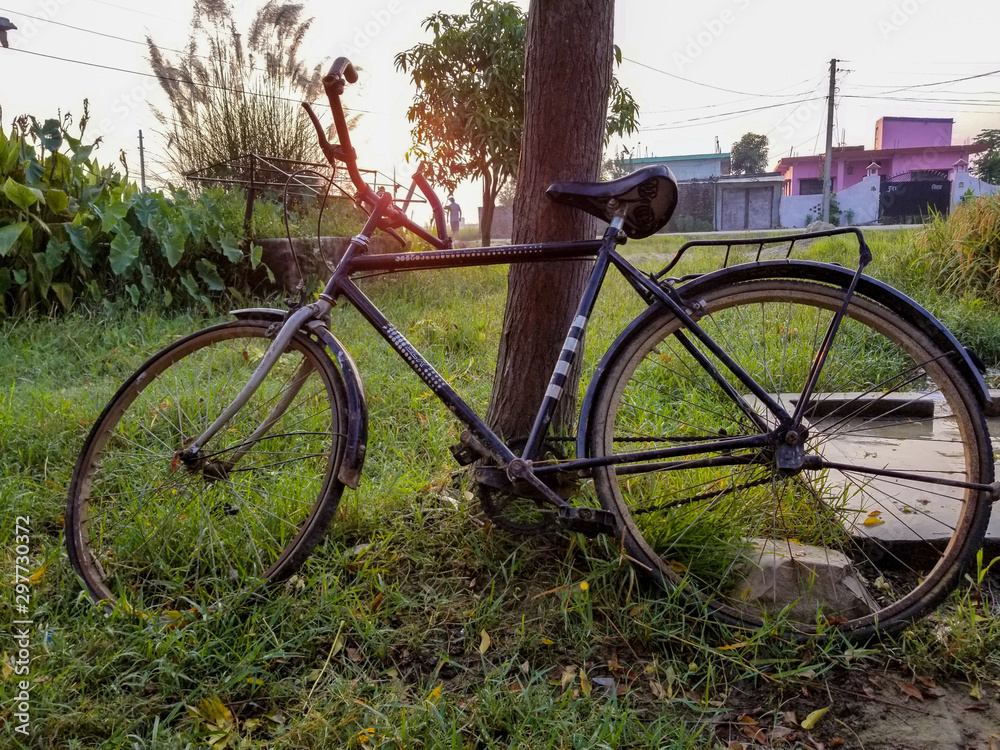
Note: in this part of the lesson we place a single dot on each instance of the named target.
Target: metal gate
(746, 208)
(904, 199)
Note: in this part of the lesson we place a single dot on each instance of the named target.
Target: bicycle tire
(146, 531)
(729, 537)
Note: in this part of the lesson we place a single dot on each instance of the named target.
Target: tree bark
(568, 67)
(486, 220)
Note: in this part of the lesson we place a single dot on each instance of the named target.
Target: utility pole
(142, 164)
(828, 163)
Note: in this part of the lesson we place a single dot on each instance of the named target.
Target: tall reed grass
(964, 248)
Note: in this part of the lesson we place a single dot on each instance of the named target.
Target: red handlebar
(333, 83)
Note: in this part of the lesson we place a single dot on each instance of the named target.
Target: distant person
(454, 214)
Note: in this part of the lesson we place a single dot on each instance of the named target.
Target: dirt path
(866, 710)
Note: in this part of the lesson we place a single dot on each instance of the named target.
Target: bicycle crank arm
(588, 521)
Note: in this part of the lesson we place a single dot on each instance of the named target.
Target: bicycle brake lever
(333, 152)
(394, 234)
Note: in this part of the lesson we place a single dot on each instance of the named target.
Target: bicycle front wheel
(146, 529)
(835, 546)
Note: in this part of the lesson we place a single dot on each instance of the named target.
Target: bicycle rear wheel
(145, 529)
(823, 550)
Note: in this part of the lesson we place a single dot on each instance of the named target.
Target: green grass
(393, 605)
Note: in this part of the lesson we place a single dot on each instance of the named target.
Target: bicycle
(741, 436)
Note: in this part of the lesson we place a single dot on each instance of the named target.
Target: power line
(942, 83)
(169, 78)
(699, 83)
(86, 31)
(734, 101)
(965, 102)
(670, 125)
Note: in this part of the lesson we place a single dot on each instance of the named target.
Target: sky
(701, 72)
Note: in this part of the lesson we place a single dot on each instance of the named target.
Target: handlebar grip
(342, 67)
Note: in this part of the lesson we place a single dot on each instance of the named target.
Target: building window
(814, 186)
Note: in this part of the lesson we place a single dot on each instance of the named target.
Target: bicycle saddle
(648, 194)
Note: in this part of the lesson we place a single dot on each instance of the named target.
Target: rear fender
(356, 442)
(825, 273)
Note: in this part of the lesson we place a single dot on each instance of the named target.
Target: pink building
(917, 148)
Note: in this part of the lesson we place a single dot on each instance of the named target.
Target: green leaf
(49, 134)
(231, 248)
(124, 249)
(79, 237)
(55, 253)
(168, 298)
(10, 156)
(148, 279)
(145, 208)
(64, 292)
(189, 284)
(57, 200)
(172, 245)
(133, 292)
(256, 251)
(81, 154)
(20, 195)
(33, 171)
(110, 213)
(9, 235)
(20, 276)
(210, 275)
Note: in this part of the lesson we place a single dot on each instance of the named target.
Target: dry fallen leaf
(813, 719)
(657, 690)
(872, 521)
(568, 676)
(910, 689)
(976, 693)
(585, 686)
(485, 641)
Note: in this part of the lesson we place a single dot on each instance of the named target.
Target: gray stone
(803, 578)
(819, 226)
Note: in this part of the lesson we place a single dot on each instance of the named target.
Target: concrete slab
(907, 432)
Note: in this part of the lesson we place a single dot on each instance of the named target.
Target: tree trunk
(568, 66)
(486, 220)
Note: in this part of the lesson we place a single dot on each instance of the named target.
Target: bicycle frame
(484, 441)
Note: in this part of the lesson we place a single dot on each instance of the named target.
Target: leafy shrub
(70, 228)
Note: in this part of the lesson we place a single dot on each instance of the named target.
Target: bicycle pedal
(587, 521)
(468, 450)
(463, 454)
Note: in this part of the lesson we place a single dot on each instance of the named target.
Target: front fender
(825, 273)
(356, 439)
